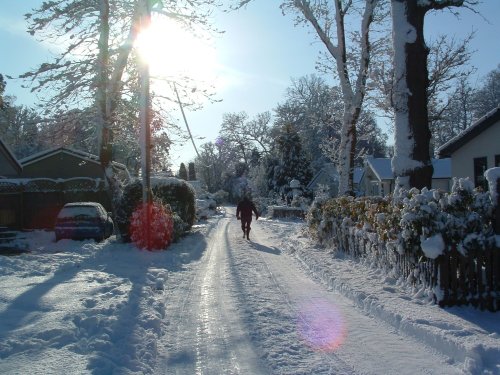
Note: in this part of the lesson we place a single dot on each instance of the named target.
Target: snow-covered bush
(460, 219)
(130, 200)
(468, 216)
(156, 234)
(177, 194)
(205, 207)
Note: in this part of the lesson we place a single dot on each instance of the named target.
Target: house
(9, 166)
(10, 197)
(476, 149)
(35, 188)
(378, 178)
(328, 178)
(65, 163)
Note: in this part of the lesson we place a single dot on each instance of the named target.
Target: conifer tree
(291, 162)
(183, 175)
(191, 172)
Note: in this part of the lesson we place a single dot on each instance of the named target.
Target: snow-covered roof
(329, 170)
(470, 133)
(382, 168)
(77, 153)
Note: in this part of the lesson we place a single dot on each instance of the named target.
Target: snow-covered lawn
(103, 308)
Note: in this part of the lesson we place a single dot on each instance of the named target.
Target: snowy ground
(215, 303)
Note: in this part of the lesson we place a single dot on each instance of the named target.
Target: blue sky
(260, 52)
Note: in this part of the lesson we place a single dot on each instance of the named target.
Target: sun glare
(172, 51)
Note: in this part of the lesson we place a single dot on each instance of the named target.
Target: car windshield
(79, 212)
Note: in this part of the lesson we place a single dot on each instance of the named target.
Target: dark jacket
(244, 210)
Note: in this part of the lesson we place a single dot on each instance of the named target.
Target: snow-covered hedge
(461, 218)
(403, 232)
(175, 193)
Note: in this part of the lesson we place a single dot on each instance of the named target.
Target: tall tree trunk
(412, 163)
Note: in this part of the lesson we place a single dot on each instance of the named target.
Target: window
(497, 160)
(480, 165)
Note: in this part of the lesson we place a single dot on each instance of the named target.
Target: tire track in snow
(204, 334)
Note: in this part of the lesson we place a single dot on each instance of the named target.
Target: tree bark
(418, 82)
(412, 163)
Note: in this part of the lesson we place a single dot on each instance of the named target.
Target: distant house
(327, 177)
(378, 178)
(357, 177)
(476, 149)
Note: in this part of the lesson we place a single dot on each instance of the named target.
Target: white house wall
(441, 184)
(486, 144)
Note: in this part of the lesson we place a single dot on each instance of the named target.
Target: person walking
(244, 212)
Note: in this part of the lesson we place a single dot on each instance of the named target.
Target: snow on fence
(454, 279)
(463, 267)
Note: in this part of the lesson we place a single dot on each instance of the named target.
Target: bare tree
(97, 64)
(487, 97)
(329, 22)
(449, 65)
(456, 117)
(243, 135)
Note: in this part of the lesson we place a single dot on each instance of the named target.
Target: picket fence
(455, 279)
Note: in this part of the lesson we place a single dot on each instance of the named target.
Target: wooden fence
(472, 279)
(34, 204)
(455, 279)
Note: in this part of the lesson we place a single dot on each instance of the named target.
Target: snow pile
(493, 176)
(432, 246)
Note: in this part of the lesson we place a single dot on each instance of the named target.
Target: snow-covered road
(215, 303)
(245, 307)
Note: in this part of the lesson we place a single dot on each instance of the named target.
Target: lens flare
(321, 325)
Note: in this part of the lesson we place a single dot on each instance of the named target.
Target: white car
(82, 220)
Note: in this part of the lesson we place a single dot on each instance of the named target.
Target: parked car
(81, 220)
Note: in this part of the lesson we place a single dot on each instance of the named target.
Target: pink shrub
(156, 235)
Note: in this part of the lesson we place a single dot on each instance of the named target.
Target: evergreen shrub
(178, 195)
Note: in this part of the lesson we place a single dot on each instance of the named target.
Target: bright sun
(172, 51)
